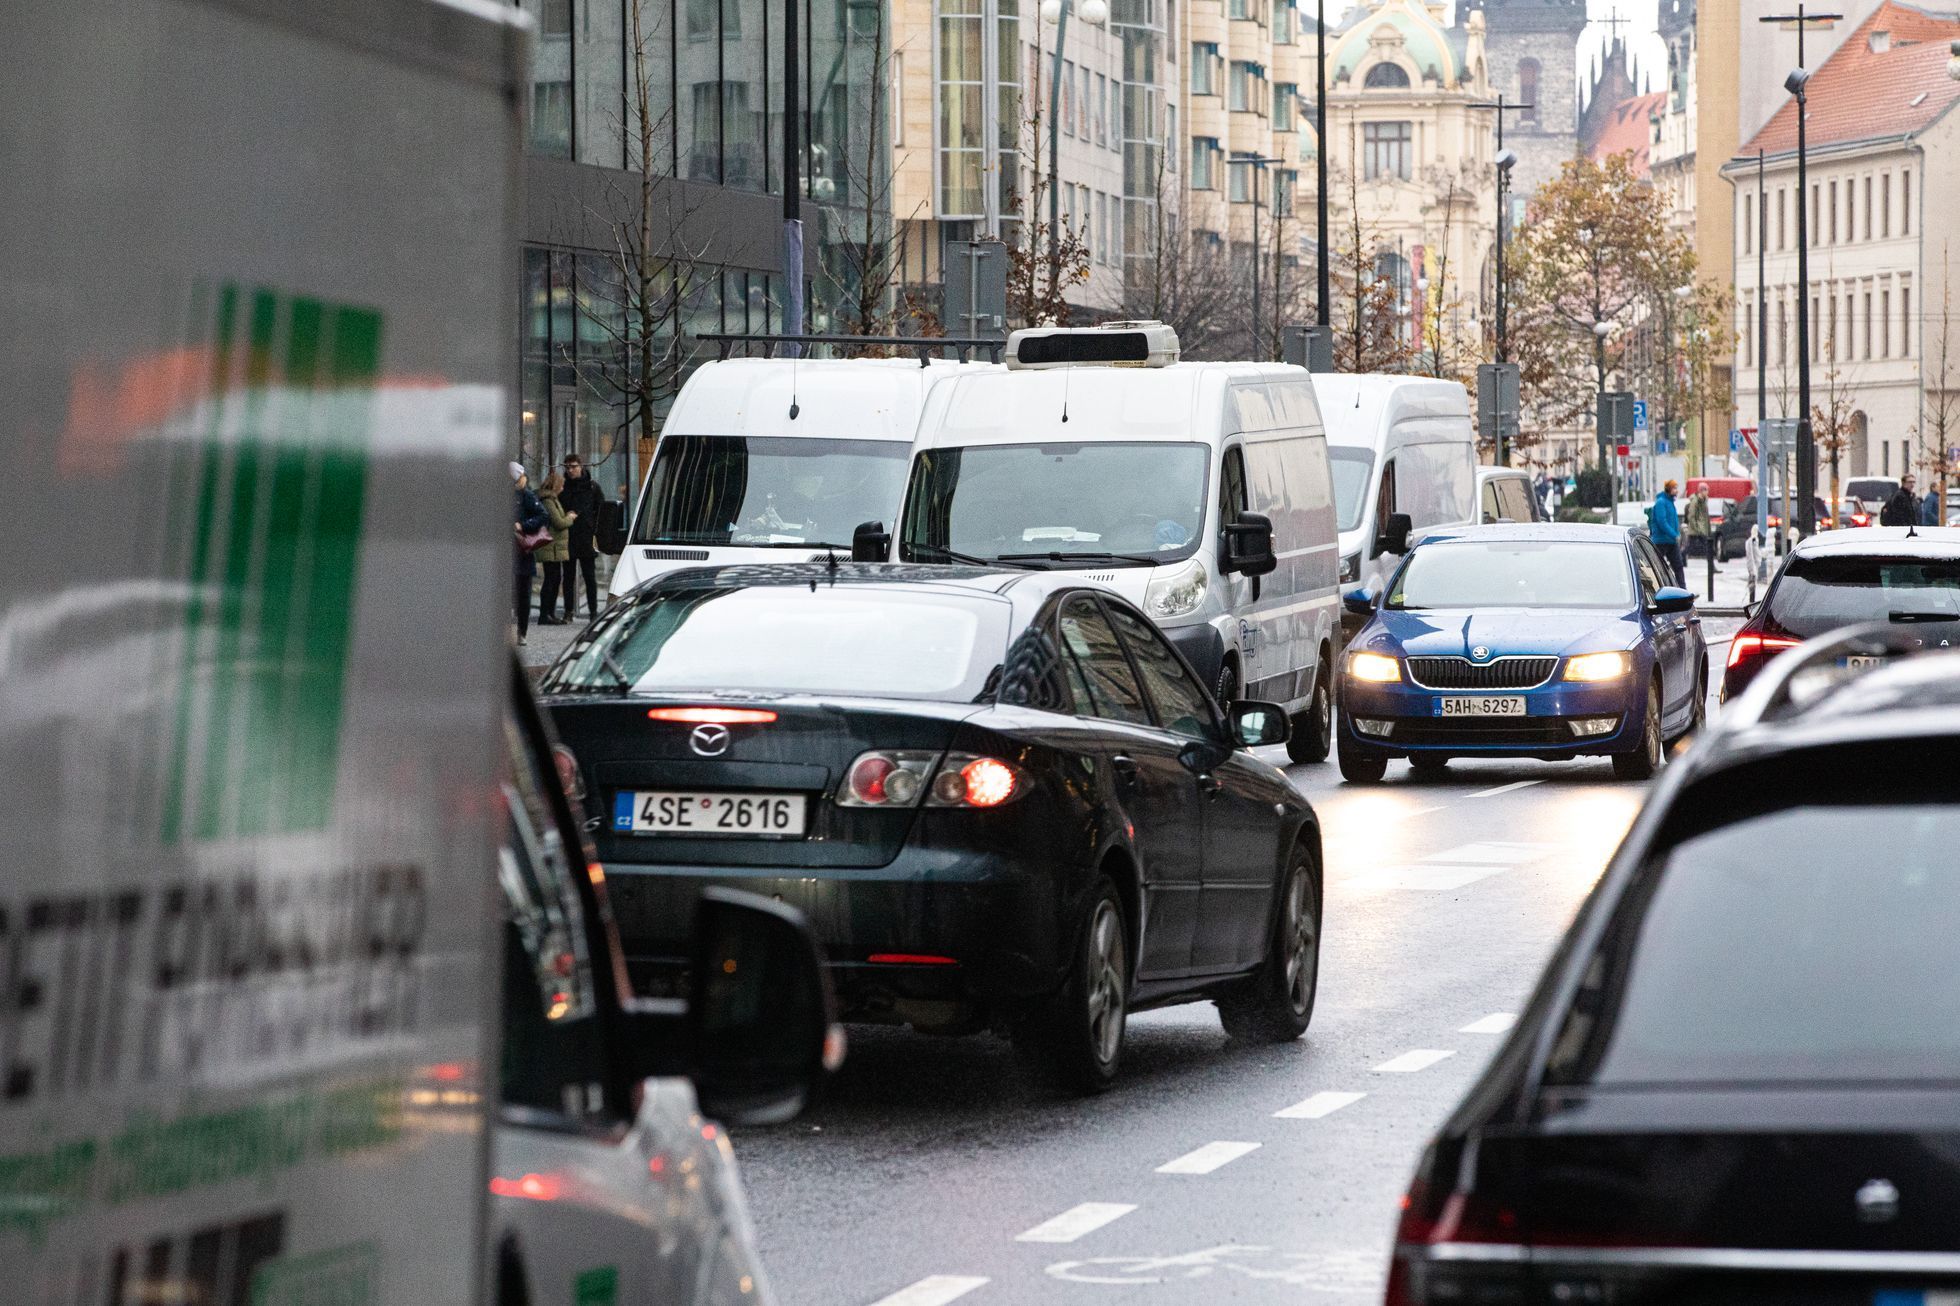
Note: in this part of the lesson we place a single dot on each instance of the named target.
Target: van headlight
(1351, 568)
(1177, 593)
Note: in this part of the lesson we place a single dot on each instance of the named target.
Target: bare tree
(1832, 415)
(1184, 279)
(1939, 406)
(1044, 261)
(1368, 335)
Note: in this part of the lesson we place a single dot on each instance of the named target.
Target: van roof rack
(923, 346)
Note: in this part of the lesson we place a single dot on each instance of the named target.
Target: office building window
(1241, 178)
(1885, 323)
(1868, 324)
(1066, 99)
(1248, 88)
(1386, 149)
(1885, 204)
(1782, 227)
(1285, 97)
(1386, 77)
(1905, 203)
(1748, 228)
(1102, 106)
(1816, 212)
(1905, 321)
(962, 109)
(1204, 68)
(1204, 163)
(1282, 22)
(1240, 9)
(1868, 208)
(1082, 103)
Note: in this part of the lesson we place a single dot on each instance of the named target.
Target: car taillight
(902, 778)
(1861, 519)
(568, 772)
(1748, 646)
(968, 781)
(1431, 1219)
(713, 716)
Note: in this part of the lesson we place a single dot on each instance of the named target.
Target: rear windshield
(791, 639)
(1805, 945)
(1818, 594)
(1515, 574)
(784, 492)
(1872, 489)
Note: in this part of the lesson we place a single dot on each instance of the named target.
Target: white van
(1199, 491)
(1506, 494)
(772, 459)
(1401, 447)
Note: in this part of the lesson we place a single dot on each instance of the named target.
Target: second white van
(1199, 491)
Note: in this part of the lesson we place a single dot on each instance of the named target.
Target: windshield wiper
(1141, 558)
(622, 682)
(1906, 618)
(954, 555)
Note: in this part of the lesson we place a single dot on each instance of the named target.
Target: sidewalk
(1731, 586)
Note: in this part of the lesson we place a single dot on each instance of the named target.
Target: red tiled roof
(1629, 129)
(1861, 94)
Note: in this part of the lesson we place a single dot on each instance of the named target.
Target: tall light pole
(1806, 507)
(792, 177)
(1762, 356)
(1095, 13)
(1258, 167)
(1506, 160)
(1323, 310)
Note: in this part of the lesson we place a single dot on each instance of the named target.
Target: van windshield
(1351, 467)
(768, 491)
(1105, 502)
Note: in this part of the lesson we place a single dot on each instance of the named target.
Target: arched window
(1386, 77)
(1528, 89)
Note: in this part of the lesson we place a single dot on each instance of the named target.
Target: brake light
(713, 716)
(881, 780)
(1429, 1220)
(988, 782)
(895, 777)
(568, 774)
(909, 959)
(1748, 646)
(1861, 519)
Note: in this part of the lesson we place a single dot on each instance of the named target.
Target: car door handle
(1125, 768)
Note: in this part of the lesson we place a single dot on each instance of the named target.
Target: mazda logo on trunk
(709, 740)
(1877, 1201)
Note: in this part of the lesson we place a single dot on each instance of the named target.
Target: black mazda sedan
(1003, 801)
(1739, 1079)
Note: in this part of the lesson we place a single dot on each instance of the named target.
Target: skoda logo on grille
(709, 740)
(1480, 652)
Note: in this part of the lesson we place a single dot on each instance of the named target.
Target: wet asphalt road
(941, 1170)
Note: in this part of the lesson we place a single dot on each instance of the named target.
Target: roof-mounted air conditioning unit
(1113, 344)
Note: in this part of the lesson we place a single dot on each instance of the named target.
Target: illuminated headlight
(1375, 668)
(1177, 594)
(1372, 728)
(1587, 727)
(1351, 568)
(1598, 666)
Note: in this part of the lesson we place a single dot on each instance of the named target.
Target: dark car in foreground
(1547, 641)
(1907, 576)
(1002, 800)
(1738, 1080)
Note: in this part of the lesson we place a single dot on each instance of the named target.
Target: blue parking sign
(1640, 414)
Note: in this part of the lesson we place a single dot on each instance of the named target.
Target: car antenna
(794, 358)
(1068, 370)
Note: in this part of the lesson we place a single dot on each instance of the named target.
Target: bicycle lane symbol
(1345, 1272)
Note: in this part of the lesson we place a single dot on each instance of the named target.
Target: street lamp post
(1506, 160)
(1323, 310)
(792, 179)
(1762, 363)
(1258, 166)
(1095, 13)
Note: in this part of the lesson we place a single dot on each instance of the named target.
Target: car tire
(1697, 719)
(1081, 1039)
(1358, 767)
(1645, 760)
(1313, 730)
(1428, 765)
(1227, 687)
(1276, 1004)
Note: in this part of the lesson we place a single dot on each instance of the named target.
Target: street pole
(1323, 312)
(1055, 139)
(792, 179)
(1762, 362)
(1258, 166)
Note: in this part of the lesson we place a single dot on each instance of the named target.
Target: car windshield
(1351, 467)
(768, 491)
(1781, 949)
(1515, 574)
(790, 639)
(1821, 593)
(1115, 503)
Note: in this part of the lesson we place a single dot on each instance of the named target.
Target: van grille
(1462, 673)
(675, 555)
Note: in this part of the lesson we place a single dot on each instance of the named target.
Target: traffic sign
(1735, 440)
(1779, 436)
(1624, 450)
(1660, 446)
(1640, 414)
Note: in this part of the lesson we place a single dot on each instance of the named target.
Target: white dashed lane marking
(1076, 1222)
(1320, 1104)
(935, 1290)
(1207, 1158)
(1498, 1022)
(1511, 788)
(1410, 1062)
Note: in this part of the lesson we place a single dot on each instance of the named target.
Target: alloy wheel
(1302, 941)
(1105, 987)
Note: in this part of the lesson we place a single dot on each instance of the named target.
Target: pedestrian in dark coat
(1902, 509)
(582, 499)
(556, 557)
(528, 517)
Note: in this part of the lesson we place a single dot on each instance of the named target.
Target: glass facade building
(688, 93)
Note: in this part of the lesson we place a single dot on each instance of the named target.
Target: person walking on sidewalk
(1696, 521)
(557, 555)
(528, 518)
(1664, 527)
(1902, 509)
(583, 499)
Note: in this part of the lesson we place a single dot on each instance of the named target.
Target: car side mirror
(1672, 598)
(1393, 537)
(1360, 602)
(871, 542)
(1249, 545)
(1256, 724)
(759, 1030)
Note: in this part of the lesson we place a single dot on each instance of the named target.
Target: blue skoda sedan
(1534, 640)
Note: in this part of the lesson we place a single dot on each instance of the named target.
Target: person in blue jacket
(1664, 527)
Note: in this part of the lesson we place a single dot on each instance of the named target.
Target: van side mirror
(1393, 537)
(1256, 724)
(1249, 545)
(871, 542)
(1360, 602)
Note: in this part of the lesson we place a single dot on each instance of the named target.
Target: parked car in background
(1731, 540)
(1504, 494)
(1871, 492)
(1633, 515)
(1003, 799)
(1738, 1080)
(1850, 512)
(1405, 459)
(1549, 641)
(1905, 576)
(1201, 492)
